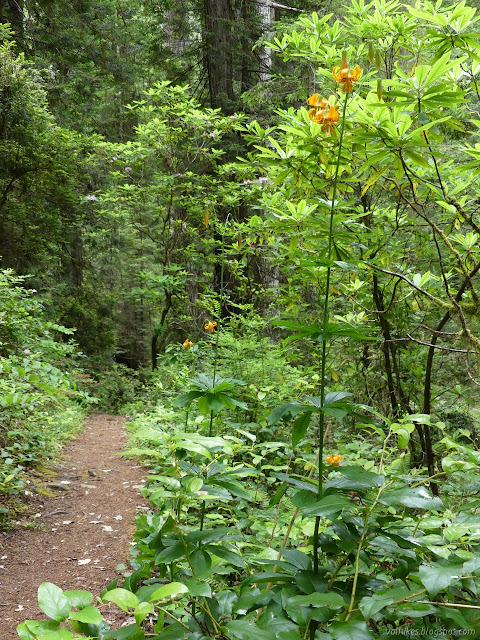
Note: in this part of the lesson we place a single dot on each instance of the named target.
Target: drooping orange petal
(356, 73)
(314, 100)
(333, 116)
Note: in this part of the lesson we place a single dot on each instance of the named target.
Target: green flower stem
(222, 269)
(211, 414)
(321, 426)
(359, 550)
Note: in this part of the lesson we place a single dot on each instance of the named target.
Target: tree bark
(385, 328)
(218, 44)
(266, 13)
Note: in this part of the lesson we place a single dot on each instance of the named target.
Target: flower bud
(371, 53)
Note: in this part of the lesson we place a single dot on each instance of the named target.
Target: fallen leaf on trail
(67, 522)
(118, 517)
(86, 561)
(106, 527)
(20, 607)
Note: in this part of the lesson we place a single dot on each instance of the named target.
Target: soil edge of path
(85, 528)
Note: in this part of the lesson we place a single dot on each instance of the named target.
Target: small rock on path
(87, 529)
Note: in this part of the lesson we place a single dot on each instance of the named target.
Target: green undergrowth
(41, 404)
(226, 547)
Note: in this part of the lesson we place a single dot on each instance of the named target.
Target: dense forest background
(101, 216)
(272, 210)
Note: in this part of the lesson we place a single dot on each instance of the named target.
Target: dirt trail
(88, 525)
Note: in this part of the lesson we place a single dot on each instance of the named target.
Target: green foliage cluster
(225, 550)
(40, 405)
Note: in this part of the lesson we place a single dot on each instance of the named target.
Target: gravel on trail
(85, 526)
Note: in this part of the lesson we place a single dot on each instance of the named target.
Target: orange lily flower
(334, 460)
(210, 326)
(331, 119)
(317, 101)
(345, 76)
(325, 114)
(187, 344)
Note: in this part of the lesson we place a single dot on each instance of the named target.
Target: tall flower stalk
(346, 78)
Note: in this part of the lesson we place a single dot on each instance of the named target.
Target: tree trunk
(218, 44)
(266, 14)
(385, 328)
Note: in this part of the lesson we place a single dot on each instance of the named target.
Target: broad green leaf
(236, 489)
(247, 630)
(130, 632)
(287, 411)
(171, 553)
(416, 157)
(168, 591)
(333, 600)
(403, 438)
(331, 506)
(354, 479)
(79, 599)
(370, 605)
(194, 484)
(53, 602)
(336, 396)
(122, 598)
(30, 629)
(415, 498)
(201, 561)
(300, 426)
(199, 588)
(226, 554)
(88, 614)
(297, 558)
(142, 611)
(416, 610)
(186, 398)
(279, 493)
(437, 577)
(209, 535)
(351, 630)
(59, 634)
(311, 582)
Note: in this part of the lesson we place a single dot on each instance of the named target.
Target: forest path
(88, 525)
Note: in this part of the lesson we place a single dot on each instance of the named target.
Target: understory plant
(40, 405)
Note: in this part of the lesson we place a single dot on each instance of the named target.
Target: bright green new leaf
(53, 602)
(79, 598)
(122, 598)
(168, 591)
(90, 615)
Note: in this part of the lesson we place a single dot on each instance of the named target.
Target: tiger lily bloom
(187, 344)
(210, 326)
(334, 460)
(324, 113)
(346, 77)
(317, 101)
